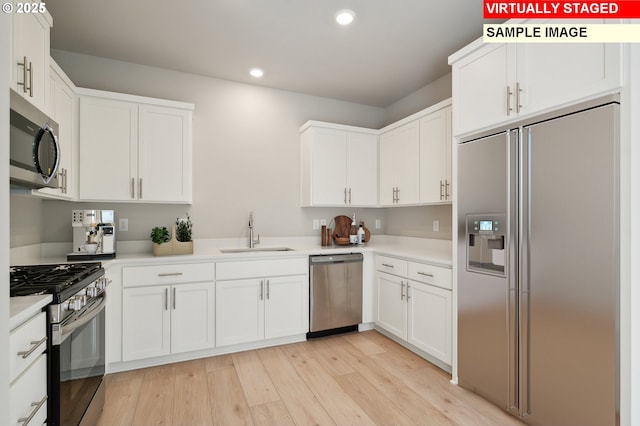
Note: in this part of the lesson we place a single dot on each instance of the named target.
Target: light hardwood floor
(353, 379)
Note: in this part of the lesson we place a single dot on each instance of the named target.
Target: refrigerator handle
(511, 246)
(523, 267)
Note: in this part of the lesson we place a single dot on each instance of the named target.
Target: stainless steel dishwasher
(335, 293)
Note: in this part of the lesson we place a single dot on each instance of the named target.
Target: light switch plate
(316, 223)
(436, 225)
(123, 224)
(378, 224)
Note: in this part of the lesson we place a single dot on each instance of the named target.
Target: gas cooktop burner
(57, 280)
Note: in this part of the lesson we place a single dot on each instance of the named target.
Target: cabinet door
(192, 317)
(387, 168)
(407, 167)
(108, 149)
(433, 157)
(429, 320)
(480, 84)
(63, 111)
(31, 40)
(392, 306)
(28, 393)
(551, 74)
(239, 311)
(329, 165)
(362, 166)
(164, 154)
(146, 320)
(286, 310)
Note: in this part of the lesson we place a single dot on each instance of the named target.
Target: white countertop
(22, 308)
(432, 251)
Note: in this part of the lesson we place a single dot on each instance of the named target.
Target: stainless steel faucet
(252, 242)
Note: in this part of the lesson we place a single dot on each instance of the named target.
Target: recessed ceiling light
(256, 72)
(345, 16)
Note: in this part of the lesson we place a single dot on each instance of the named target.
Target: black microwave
(34, 150)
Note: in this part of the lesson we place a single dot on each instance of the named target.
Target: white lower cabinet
(167, 319)
(416, 312)
(250, 309)
(28, 371)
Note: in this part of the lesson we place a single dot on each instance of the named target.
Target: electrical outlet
(323, 222)
(316, 224)
(123, 225)
(436, 225)
(378, 224)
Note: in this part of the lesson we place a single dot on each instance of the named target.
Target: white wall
(246, 151)
(422, 98)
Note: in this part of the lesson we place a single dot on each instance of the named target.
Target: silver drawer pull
(426, 274)
(36, 344)
(170, 274)
(387, 265)
(25, 420)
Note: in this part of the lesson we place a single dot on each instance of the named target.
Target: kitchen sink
(255, 249)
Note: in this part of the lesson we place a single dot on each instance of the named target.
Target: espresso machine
(94, 235)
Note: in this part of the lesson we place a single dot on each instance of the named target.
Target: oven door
(77, 365)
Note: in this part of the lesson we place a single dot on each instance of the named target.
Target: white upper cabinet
(400, 165)
(338, 165)
(30, 59)
(63, 107)
(435, 157)
(494, 83)
(132, 149)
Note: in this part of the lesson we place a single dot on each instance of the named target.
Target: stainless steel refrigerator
(538, 290)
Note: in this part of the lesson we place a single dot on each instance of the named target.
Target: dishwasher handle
(335, 258)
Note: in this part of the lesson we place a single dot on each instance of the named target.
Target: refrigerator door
(569, 279)
(487, 345)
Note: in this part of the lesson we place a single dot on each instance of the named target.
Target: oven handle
(85, 318)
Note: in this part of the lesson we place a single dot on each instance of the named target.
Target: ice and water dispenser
(486, 243)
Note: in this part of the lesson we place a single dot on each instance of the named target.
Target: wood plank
(333, 398)
(364, 343)
(121, 392)
(331, 360)
(227, 401)
(256, 384)
(379, 408)
(191, 397)
(271, 414)
(155, 403)
(303, 406)
(220, 361)
(409, 402)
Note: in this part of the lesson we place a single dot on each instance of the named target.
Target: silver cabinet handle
(174, 298)
(387, 265)
(441, 190)
(408, 295)
(25, 420)
(426, 274)
(268, 289)
(140, 188)
(261, 289)
(166, 299)
(35, 345)
(133, 188)
(30, 79)
(401, 290)
(446, 189)
(397, 194)
(66, 186)
(349, 195)
(23, 64)
(170, 274)
(518, 90)
(509, 93)
(345, 195)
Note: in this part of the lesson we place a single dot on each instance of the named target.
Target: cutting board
(343, 227)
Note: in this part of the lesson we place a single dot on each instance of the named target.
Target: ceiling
(392, 49)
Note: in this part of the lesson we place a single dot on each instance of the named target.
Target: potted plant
(179, 241)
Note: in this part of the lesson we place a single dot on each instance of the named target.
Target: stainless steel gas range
(75, 336)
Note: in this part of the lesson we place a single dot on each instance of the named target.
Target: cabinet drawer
(430, 274)
(27, 394)
(391, 265)
(138, 276)
(261, 268)
(22, 340)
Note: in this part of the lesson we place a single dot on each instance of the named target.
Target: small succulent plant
(159, 235)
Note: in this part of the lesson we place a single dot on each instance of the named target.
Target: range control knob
(92, 291)
(77, 302)
(102, 283)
